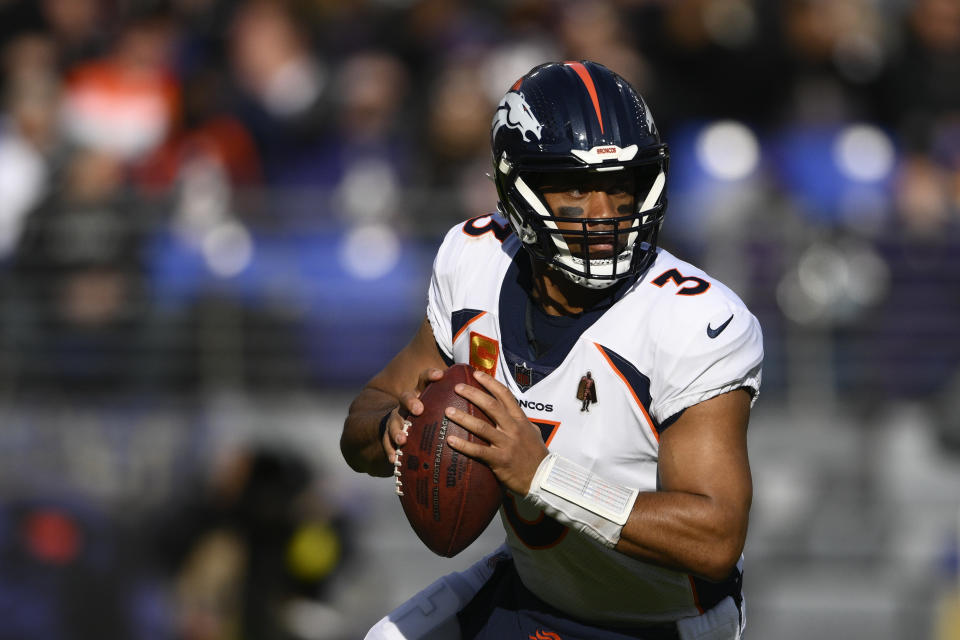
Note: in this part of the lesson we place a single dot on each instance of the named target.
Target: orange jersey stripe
(553, 431)
(467, 324)
(591, 89)
(632, 392)
(696, 596)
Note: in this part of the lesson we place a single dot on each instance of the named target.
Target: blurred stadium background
(217, 220)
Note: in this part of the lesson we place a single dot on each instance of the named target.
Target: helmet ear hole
(579, 120)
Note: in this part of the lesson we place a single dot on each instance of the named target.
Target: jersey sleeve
(440, 292)
(700, 357)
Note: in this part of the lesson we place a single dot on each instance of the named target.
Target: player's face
(589, 202)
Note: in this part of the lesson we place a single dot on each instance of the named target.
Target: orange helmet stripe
(591, 89)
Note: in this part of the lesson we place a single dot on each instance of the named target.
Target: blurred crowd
(246, 194)
(192, 186)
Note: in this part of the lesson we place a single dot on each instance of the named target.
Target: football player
(627, 521)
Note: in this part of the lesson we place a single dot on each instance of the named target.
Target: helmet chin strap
(589, 283)
(562, 284)
(560, 293)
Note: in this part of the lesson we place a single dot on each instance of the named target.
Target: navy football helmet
(579, 117)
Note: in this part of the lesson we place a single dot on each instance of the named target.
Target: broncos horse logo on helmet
(514, 112)
(583, 118)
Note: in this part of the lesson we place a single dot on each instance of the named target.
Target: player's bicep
(705, 453)
(402, 372)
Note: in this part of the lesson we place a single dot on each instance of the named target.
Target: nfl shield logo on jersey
(523, 374)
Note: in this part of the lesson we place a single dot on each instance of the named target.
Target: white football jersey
(673, 338)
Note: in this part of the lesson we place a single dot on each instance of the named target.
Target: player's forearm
(691, 532)
(684, 531)
(361, 442)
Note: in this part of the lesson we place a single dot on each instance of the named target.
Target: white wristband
(577, 498)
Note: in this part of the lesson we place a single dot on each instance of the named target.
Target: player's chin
(602, 250)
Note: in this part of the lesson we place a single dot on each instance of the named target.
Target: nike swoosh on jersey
(713, 333)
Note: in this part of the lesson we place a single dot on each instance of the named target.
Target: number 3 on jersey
(541, 532)
(480, 225)
(699, 284)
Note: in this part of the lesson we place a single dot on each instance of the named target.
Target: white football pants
(432, 613)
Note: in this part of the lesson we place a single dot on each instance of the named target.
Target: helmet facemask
(592, 252)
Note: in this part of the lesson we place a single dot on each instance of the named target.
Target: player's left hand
(516, 445)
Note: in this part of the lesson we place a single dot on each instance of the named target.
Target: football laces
(398, 488)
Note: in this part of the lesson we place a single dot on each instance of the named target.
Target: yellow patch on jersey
(484, 353)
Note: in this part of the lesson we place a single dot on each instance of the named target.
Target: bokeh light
(370, 252)
(728, 150)
(864, 153)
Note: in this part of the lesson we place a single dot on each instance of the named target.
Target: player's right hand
(395, 435)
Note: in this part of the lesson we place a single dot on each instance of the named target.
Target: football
(448, 498)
